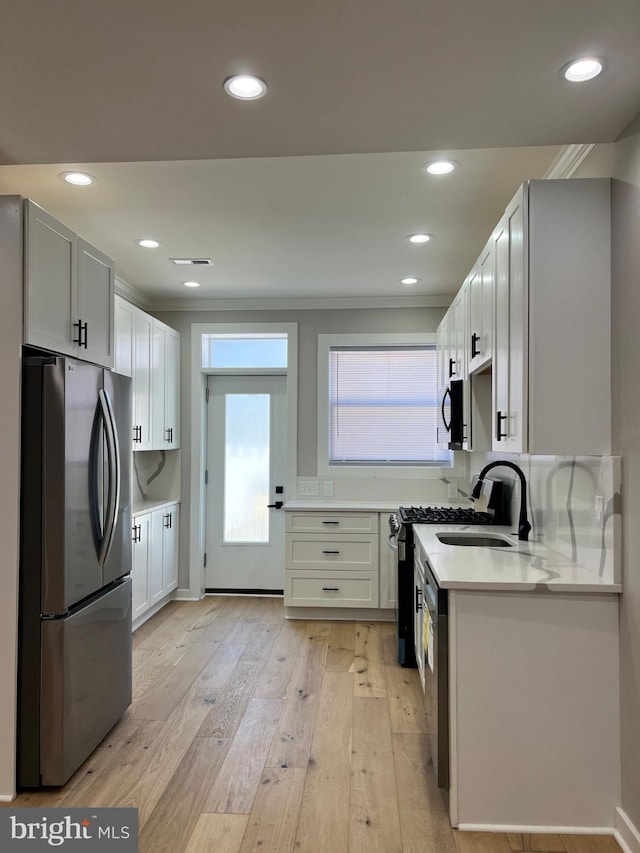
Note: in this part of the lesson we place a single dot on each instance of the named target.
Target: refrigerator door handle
(113, 458)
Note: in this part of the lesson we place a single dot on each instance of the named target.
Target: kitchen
(611, 158)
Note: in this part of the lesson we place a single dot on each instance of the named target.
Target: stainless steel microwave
(451, 415)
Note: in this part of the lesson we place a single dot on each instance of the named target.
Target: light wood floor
(251, 733)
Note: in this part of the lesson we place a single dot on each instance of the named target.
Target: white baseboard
(543, 830)
(626, 834)
(186, 595)
(336, 614)
(7, 798)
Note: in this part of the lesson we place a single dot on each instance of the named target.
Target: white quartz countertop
(525, 566)
(147, 506)
(343, 506)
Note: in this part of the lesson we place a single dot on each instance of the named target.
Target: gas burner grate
(443, 515)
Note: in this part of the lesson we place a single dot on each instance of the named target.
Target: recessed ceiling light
(78, 179)
(191, 283)
(419, 238)
(583, 69)
(440, 167)
(409, 280)
(148, 243)
(245, 87)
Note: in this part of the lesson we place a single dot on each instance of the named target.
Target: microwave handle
(447, 426)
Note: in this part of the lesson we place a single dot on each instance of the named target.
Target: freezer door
(86, 681)
(117, 477)
(70, 567)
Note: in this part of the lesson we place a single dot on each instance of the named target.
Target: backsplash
(561, 500)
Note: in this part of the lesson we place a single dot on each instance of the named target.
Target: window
(382, 406)
(242, 351)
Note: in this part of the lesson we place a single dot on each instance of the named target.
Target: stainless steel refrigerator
(75, 593)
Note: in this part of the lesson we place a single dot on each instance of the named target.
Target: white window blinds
(382, 406)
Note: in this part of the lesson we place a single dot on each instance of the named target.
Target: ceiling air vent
(196, 262)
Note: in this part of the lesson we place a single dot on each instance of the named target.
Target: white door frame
(197, 450)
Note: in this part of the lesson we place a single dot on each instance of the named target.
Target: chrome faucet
(523, 522)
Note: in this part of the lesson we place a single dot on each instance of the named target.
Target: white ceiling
(311, 190)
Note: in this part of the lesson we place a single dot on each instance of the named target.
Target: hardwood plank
(274, 817)
(149, 627)
(217, 833)
(176, 814)
(227, 706)
(370, 681)
(389, 644)
(542, 843)
(218, 670)
(165, 697)
(481, 842)
(515, 841)
(406, 703)
(151, 775)
(324, 815)
(262, 641)
(273, 610)
(147, 676)
(374, 823)
(292, 740)
(237, 782)
(590, 844)
(341, 648)
(211, 630)
(424, 818)
(279, 668)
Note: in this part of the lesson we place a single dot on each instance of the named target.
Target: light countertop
(525, 566)
(342, 506)
(146, 506)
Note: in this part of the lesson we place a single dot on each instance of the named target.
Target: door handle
(474, 345)
(276, 505)
(331, 589)
(499, 418)
(113, 456)
(331, 552)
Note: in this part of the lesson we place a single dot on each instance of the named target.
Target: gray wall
(626, 424)
(311, 323)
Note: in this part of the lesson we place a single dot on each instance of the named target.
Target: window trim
(397, 472)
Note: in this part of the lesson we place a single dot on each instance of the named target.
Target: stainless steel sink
(476, 540)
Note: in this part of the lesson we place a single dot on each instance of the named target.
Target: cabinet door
(142, 331)
(123, 330)
(475, 316)
(388, 576)
(51, 272)
(486, 276)
(510, 331)
(156, 558)
(94, 308)
(172, 388)
(140, 564)
(171, 532)
(159, 433)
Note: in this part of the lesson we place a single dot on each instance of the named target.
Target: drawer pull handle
(331, 522)
(331, 589)
(331, 552)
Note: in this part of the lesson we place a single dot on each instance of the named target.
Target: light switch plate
(328, 488)
(452, 491)
(307, 488)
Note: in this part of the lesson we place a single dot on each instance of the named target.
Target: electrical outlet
(452, 491)
(599, 509)
(307, 488)
(328, 488)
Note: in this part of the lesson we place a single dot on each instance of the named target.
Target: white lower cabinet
(155, 556)
(326, 566)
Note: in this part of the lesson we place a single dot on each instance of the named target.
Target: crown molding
(301, 303)
(569, 161)
(131, 294)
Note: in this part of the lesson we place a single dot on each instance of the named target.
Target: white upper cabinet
(149, 352)
(69, 291)
(165, 379)
(552, 349)
(480, 284)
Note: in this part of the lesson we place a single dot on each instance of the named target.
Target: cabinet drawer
(346, 551)
(332, 522)
(339, 589)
